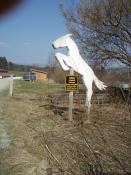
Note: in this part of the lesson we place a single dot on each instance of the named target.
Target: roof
(3, 70)
(36, 70)
(3, 74)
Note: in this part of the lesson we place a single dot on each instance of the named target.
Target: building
(40, 75)
(4, 73)
(29, 76)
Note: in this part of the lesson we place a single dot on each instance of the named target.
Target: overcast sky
(27, 33)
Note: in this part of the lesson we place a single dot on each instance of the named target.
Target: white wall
(4, 83)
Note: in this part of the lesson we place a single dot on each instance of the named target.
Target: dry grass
(43, 137)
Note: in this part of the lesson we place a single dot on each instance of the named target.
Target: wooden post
(11, 86)
(71, 98)
(49, 171)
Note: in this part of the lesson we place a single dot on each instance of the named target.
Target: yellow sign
(71, 83)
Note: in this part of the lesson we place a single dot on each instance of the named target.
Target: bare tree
(54, 70)
(102, 28)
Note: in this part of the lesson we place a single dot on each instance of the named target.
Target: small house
(29, 76)
(4, 73)
(40, 75)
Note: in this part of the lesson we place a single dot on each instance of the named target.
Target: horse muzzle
(53, 46)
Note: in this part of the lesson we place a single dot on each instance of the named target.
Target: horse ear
(68, 35)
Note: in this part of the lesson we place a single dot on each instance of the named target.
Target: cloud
(3, 44)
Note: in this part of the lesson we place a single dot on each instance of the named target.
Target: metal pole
(71, 98)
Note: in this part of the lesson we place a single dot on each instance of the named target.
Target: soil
(42, 137)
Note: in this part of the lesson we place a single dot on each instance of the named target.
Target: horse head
(61, 42)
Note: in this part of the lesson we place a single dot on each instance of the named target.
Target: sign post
(71, 85)
(71, 98)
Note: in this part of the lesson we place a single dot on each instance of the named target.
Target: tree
(102, 29)
(3, 63)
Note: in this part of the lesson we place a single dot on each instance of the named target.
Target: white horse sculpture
(75, 61)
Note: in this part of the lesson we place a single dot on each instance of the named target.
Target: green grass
(36, 87)
(17, 73)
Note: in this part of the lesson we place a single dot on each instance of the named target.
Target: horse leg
(89, 93)
(65, 61)
(61, 60)
(88, 83)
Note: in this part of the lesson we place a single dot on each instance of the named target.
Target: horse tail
(100, 85)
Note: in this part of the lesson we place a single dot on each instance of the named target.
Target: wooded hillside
(4, 64)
